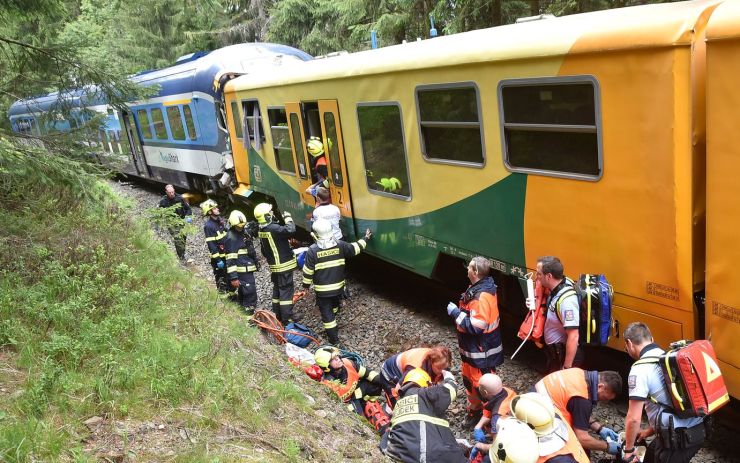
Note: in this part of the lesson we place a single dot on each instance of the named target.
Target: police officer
(561, 324)
(575, 392)
(677, 439)
(241, 262)
(276, 249)
(419, 429)
(324, 267)
(355, 384)
(496, 403)
(184, 212)
(478, 332)
(215, 233)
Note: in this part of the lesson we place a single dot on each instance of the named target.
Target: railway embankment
(111, 351)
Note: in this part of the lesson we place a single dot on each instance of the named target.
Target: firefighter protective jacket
(477, 321)
(215, 234)
(345, 381)
(419, 430)
(325, 267)
(240, 254)
(275, 246)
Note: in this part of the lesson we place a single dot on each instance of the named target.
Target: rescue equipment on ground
(299, 335)
(595, 296)
(314, 372)
(299, 356)
(376, 416)
(267, 321)
(693, 378)
(533, 326)
(207, 206)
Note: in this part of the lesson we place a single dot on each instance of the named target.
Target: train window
(333, 146)
(236, 119)
(295, 126)
(450, 123)
(146, 130)
(253, 122)
(384, 149)
(175, 120)
(189, 123)
(159, 128)
(552, 126)
(281, 140)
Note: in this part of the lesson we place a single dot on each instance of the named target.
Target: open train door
(134, 143)
(298, 142)
(331, 132)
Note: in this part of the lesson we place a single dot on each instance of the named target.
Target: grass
(97, 319)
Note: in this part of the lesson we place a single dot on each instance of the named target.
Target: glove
(613, 448)
(447, 375)
(608, 434)
(368, 234)
(286, 215)
(450, 307)
(479, 435)
(530, 303)
(189, 219)
(234, 284)
(220, 265)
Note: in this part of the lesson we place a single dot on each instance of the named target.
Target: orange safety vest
(321, 161)
(561, 386)
(572, 447)
(504, 408)
(346, 390)
(415, 358)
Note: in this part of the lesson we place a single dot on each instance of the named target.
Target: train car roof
(646, 26)
(75, 99)
(725, 22)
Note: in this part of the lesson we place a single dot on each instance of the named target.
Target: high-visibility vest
(563, 385)
(345, 391)
(572, 447)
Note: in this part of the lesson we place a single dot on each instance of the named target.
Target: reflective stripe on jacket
(324, 268)
(563, 385)
(215, 233)
(275, 246)
(240, 255)
(477, 320)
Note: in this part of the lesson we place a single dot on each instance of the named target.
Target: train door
(331, 132)
(298, 142)
(132, 137)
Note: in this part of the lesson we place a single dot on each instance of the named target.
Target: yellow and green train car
(581, 137)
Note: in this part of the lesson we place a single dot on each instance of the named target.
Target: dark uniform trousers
(247, 291)
(328, 307)
(282, 295)
(687, 442)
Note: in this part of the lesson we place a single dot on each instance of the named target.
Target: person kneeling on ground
(419, 429)
(356, 385)
(433, 360)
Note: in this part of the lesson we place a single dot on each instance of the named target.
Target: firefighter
(419, 430)
(324, 267)
(276, 249)
(315, 148)
(241, 262)
(574, 393)
(496, 403)
(677, 439)
(356, 385)
(478, 332)
(433, 360)
(515, 442)
(215, 233)
(184, 212)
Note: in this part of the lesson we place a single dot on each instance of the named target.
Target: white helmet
(237, 219)
(539, 413)
(515, 443)
(322, 229)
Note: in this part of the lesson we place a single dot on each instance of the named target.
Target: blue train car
(178, 135)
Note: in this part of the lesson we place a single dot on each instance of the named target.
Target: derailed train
(605, 138)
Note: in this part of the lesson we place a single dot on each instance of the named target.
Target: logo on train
(257, 174)
(169, 157)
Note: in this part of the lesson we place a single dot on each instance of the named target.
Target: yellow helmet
(263, 213)
(536, 410)
(390, 184)
(315, 147)
(208, 205)
(417, 376)
(237, 219)
(515, 443)
(323, 356)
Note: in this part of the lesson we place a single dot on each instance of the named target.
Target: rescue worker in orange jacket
(555, 440)
(497, 403)
(419, 429)
(433, 360)
(356, 385)
(574, 393)
(478, 332)
(215, 233)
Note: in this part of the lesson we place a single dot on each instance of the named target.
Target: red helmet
(314, 372)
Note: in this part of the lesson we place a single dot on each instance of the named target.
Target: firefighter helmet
(208, 205)
(315, 147)
(323, 356)
(515, 443)
(237, 219)
(263, 213)
(417, 376)
(536, 410)
(322, 229)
